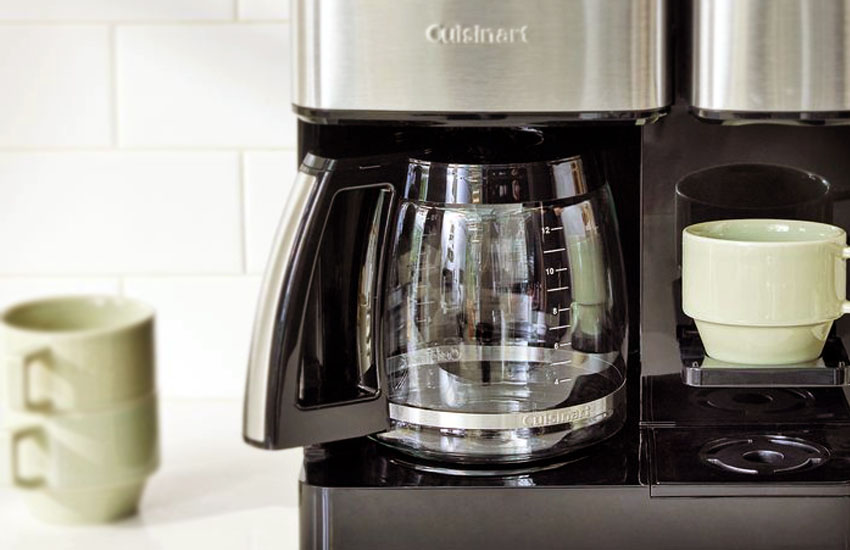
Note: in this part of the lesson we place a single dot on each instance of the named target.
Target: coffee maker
(472, 316)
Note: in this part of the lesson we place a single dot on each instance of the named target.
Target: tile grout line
(113, 84)
(142, 22)
(243, 214)
(177, 400)
(115, 276)
(236, 10)
(137, 149)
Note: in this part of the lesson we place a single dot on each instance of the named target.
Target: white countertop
(212, 491)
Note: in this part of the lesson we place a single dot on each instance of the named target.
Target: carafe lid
(499, 167)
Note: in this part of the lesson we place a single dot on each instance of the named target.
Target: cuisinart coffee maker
(472, 315)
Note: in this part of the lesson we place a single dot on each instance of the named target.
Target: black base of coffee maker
(707, 469)
(574, 518)
(557, 509)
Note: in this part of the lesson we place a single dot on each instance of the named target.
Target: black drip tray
(830, 370)
(733, 461)
(667, 402)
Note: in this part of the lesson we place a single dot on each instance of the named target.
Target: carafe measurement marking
(556, 272)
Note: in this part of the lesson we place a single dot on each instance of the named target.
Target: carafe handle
(275, 415)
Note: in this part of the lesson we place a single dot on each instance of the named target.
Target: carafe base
(583, 425)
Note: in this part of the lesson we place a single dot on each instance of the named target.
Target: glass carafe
(504, 319)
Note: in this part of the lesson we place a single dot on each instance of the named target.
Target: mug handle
(12, 475)
(18, 379)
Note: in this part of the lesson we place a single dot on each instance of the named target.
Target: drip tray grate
(763, 455)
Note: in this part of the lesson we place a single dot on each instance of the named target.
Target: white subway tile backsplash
(55, 88)
(20, 289)
(263, 9)
(268, 180)
(204, 85)
(113, 213)
(115, 10)
(203, 332)
(106, 110)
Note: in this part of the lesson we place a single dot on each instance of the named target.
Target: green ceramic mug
(82, 467)
(77, 353)
(80, 418)
(764, 292)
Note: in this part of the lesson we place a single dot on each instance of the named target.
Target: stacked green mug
(80, 434)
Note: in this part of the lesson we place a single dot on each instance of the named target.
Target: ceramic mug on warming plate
(764, 292)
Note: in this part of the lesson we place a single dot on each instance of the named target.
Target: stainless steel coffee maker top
(593, 58)
(754, 58)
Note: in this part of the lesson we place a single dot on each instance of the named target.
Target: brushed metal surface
(770, 56)
(259, 363)
(481, 56)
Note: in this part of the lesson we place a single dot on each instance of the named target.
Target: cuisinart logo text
(476, 34)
